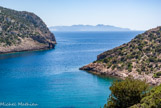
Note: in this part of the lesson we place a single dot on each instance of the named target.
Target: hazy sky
(133, 14)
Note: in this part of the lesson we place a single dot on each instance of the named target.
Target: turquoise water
(52, 78)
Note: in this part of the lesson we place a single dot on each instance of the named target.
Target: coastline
(28, 50)
(101, 69)
(27, 44)
(102, 75)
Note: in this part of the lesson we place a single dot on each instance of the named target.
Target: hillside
(23, 31)
(140, 58)
(99, 27)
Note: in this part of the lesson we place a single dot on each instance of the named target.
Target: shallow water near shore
(52, 79)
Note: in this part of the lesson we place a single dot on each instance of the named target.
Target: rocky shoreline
(101, 69)
(27, 50)
(27, 45)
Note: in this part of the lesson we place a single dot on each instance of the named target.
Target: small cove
(52, 79)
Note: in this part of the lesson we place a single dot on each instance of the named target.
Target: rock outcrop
(140, 58)
(23, 31)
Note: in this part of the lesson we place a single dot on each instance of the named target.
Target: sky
(133, 14)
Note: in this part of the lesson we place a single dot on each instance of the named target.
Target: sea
(52, 79)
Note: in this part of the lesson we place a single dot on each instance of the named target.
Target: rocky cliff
(23, 31)
(140, 58)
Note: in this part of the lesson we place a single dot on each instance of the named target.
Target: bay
(52, 79)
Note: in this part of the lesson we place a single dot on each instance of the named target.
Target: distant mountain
(99, 27)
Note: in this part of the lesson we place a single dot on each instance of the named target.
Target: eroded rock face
(23, 31)
(140, 58)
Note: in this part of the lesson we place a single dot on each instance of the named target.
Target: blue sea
(52, 79)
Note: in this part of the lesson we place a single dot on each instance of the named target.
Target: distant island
(140, 58)
(99, 27)
(23, 31)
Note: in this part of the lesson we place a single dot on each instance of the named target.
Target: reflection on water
(21, 54)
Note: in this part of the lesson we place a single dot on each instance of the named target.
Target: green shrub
(109, 65)
(130, 67)
(113, 67)
(152, 59)
(139, 71)
(126, 93)
(157, 75)
(152, 100)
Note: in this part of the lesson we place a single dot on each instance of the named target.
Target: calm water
(52, 78)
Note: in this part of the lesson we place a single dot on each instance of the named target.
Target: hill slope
(141, 58)
(23, 31)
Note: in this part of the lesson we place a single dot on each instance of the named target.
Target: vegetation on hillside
(16, 25)
(142, 54)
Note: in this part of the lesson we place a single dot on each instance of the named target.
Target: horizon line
(100, 24)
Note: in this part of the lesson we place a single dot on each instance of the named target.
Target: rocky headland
(23, 31)
(140, 58)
